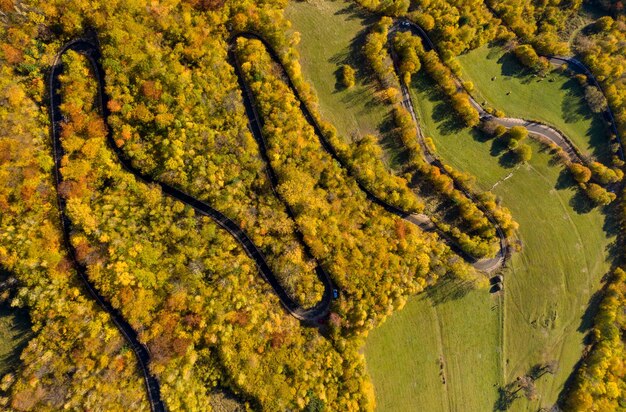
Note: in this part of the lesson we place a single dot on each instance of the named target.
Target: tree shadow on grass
(480, 136)
(494, 52)
(585, 326)
(339, 86)
(586, 320)
(498, 146)
(391, 143)
(599, 139)
(355, 12)
(581, 203)
(447, 121)
(364, 94)
(354, 54)
(508, 160)
(505, 400)
(449, 288)
(612, 227)
(564, 180)
(509, 65)
(574, 108)
(612, 221)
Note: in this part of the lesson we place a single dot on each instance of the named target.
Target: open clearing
(556, 99)
(478, 342)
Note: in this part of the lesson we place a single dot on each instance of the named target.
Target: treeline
(600, 381)
(405, 45)
(446, 80)
(601, 52)
(538, 22)
(456, 26)
(472, 229)
(330, 207)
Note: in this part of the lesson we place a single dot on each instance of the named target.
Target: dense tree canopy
(186, 286)
(211, 323)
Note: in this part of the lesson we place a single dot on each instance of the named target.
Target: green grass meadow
(446, 351)
(438, 354)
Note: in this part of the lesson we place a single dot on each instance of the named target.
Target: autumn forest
(184, 227)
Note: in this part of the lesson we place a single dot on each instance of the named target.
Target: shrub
(604, 174)
(518, 133)
(528, 57)
(348, 76)
(523, 153)
(581, 173)
(599, 195)
(596, 100)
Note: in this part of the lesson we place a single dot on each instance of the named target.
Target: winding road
(90, 50)
(535, 128)
(542, 130)
(421, 220)
(484, 265)
(130, 335)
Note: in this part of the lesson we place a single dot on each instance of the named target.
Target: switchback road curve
(91, 51)
(420, 220)
(130, 335)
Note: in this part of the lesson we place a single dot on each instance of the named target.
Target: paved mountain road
(550, 133)
(90, 50)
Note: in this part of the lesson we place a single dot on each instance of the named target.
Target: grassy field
(556, 100)
(548, 285)
(339, 26)
(438, 354)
